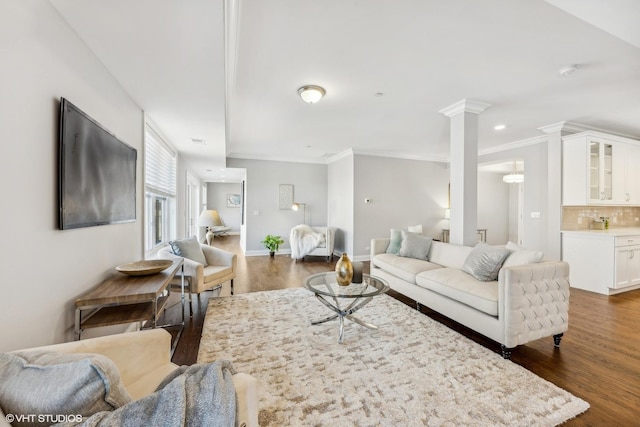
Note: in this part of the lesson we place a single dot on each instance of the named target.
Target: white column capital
(567, 127)
(465, 106)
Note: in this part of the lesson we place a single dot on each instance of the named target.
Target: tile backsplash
(580, 217)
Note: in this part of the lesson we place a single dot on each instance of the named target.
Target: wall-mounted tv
(97, 173)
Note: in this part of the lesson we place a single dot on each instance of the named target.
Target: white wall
(341, 202)
(46, 269)
(493, 207)
(535, 190)
(261, 196)
(217, 200)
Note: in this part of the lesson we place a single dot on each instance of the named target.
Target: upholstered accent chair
(326, 246)
(221, 266)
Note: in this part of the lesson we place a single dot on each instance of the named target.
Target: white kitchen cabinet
(602, 261)
(627, 261)
(600, 169)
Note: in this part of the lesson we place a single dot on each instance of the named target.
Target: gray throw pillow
(396, 241)
(484, 262)
(41, 383)
(189, 248)
(415, 246)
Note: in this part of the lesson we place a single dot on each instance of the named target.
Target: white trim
(513, 145)
(263, 252)
(464, 106)
(360, 258)
(439, 159)
(276, 158)
(563, 126)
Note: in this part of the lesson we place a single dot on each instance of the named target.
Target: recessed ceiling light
(568, 70)
(500, 127)
(198, 141)
(209, 170)
(378, 94)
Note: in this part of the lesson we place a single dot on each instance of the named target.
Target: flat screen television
(97, 173)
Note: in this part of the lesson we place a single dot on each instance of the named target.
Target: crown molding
(277, 158)
(439, 159)
(513, 145)
(465, 106)
(568, 127)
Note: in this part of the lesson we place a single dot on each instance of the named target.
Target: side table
(128, 299)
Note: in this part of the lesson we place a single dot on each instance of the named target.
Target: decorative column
(555, 132)
(463, 170)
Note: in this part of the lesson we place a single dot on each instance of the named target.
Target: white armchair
(222, 267)
(325, 248)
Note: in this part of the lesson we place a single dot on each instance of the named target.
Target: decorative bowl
(144, 267)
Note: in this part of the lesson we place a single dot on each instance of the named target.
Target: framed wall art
(285, 196)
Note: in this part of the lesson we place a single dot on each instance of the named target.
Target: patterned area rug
(412, 371)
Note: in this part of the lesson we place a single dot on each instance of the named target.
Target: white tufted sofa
(526, 303)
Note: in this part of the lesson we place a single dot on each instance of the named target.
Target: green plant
(272, 242)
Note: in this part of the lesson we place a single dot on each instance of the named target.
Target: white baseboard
(266, 252)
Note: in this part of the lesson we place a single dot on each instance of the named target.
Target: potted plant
(272, 243)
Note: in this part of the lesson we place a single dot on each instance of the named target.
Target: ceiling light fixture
(499, 127)
(514, 177)
(311, 93)
(568, 70)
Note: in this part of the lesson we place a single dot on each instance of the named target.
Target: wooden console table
(128, 299)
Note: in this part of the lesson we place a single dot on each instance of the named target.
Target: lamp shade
(209, 218)
(311, 93)
(513, 178)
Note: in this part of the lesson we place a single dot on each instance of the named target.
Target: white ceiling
(423, 55)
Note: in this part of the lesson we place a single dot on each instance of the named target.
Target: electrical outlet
(535, 215)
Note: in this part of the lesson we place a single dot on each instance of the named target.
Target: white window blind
(160, 165)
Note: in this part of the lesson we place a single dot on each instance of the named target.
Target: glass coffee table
(353, 297)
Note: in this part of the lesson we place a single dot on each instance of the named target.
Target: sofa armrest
(534, 301)
(379, 246)
(247, 399)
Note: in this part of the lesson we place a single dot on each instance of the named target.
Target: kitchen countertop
(613, 232)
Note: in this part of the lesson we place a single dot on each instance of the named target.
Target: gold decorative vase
(344, 270)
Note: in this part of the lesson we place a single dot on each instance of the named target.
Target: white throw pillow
(415, 229)
(521, 256)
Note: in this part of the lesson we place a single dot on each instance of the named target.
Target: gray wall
(46, 269)
(403, 193)
(217, 200)
(261, 197)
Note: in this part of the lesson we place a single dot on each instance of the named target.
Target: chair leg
(190, 305)
(231, 286)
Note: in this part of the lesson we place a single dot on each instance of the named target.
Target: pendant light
(514, 177)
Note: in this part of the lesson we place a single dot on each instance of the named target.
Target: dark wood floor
(599, 358)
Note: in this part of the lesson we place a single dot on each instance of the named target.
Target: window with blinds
(160, 165)
(160, 190)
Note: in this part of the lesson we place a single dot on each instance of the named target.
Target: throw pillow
(521, 256)
(189, 248)
(415, 229)
(41, 383)
(414, 246)
(484, 262)
(396, 241)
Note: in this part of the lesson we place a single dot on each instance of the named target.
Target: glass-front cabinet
(600, 169)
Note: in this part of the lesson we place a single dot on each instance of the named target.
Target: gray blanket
(197, 395)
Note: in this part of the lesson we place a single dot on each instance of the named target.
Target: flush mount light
(499, 127)
(514, 177)
(568, 70)
(311, 93)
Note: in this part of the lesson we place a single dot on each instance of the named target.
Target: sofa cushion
(484, 261)
(448, 255)
(459, 286)
(414, 246)
(41, 382)
(395, 242)
(521, 256)
(189, 248)
(403, 268)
